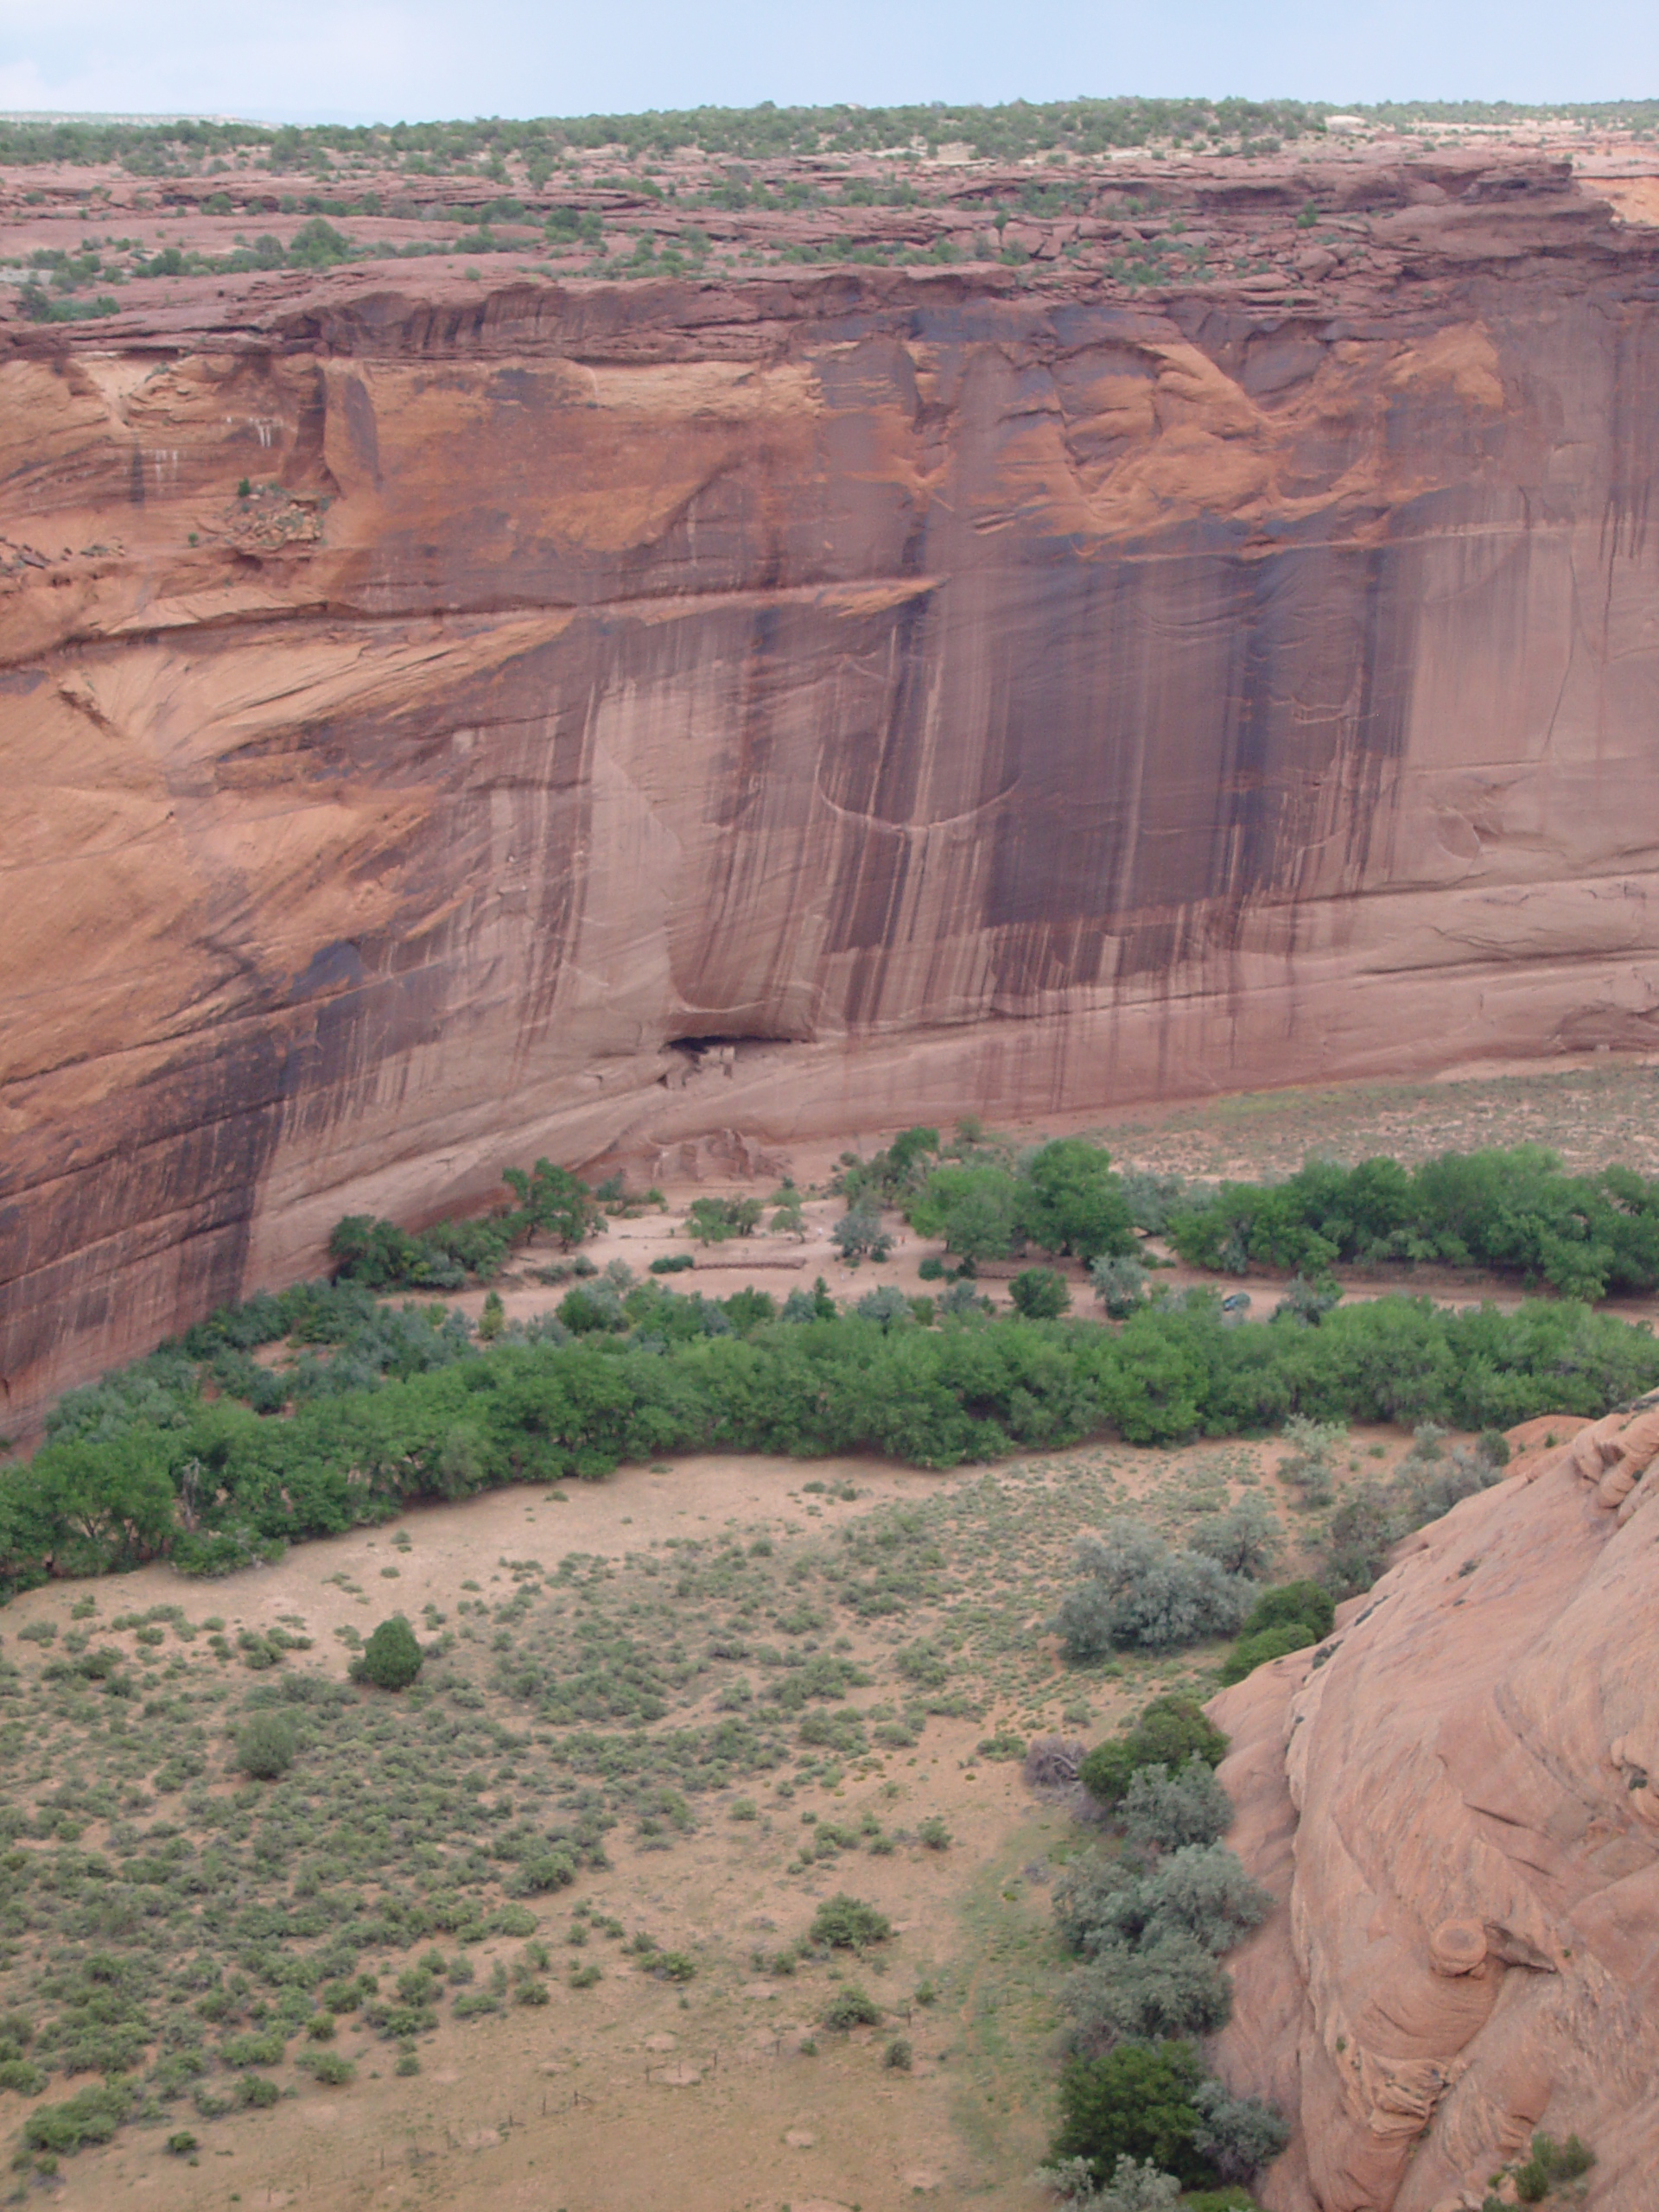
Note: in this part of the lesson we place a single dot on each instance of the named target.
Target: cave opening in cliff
(718, 1042)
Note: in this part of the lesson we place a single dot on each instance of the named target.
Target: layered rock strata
(615, 715)
(1455, 1803)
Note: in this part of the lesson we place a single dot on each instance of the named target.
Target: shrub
(847, 1924)
(887, 1306)
(1088, 1898)
(382, 1257)
(1005, 1745)
(1549, 2162)
(1307, 1459)
(329, 2067)
(375, 1424)
(974, 1208)
(851, 2007)
(591, 1310)
(1252, 1651)
(1040, 1294)
(898, 2056)
(317, 245)
(1204, 1889)
(91, 2116)
(265, 1746)
(712, 1221)
(672, 1264)
(554, 1201)
(1119, 1284)
(859, 1233)
(1141, 1595)
(1515, 1211)
(1170, 1732)
(1429, 1491)
(1168, 1988)
(545, 1870)
(261, 2047)
(1361, 1532)
(1244, 1540)
(1162, 1811)
(1150, 1942)
(1307, 1303)
(1134, 2187)
(1151, 1199)
(898, 1171)
(1301, 1604)
(1239, 2135)
(788, 1220)
(1135, 2102)
(391, 1658)
(1051, 1762)
(932, 1833)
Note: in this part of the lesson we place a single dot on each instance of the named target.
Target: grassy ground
(669, 1716)
(1593, 1113)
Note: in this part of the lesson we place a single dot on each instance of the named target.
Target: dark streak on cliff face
(161, 1220)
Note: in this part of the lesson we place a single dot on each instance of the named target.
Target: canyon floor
(1593, 1110)
(660, 1603)
(724, 2090)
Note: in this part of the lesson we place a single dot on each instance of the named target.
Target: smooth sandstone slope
(1458, 1814)
(940, 690)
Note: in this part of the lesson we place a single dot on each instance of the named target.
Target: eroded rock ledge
(1451, 1805)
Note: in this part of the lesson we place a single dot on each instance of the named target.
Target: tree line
(1516, 1212)
(206, 1455)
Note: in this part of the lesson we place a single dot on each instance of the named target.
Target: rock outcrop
(932, 689)
(1455, 1804)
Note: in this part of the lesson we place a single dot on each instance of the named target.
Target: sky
(389, 61)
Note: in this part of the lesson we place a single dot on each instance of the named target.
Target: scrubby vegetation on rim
(1013, 131)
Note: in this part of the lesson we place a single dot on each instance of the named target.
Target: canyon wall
(1454, 1810)
(948, 692)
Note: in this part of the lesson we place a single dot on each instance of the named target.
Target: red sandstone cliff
(962, 689)
(1458, 1817)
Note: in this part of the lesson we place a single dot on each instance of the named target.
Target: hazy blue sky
(367, 59)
